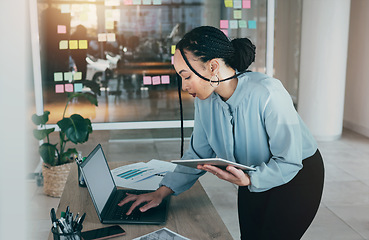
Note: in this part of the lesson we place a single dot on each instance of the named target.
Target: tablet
(218, 162)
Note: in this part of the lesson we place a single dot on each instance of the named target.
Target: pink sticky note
(69, 87)
(223, 23)
(224, 31)
(59, 88)
(128, 2)
(62, 29)
(156, 80)
(147, 80)
(165, 79)
(172, 60)
(246, 3)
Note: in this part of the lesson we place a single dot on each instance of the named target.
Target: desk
(191, 214)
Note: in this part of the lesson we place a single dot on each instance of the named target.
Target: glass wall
(126, 47)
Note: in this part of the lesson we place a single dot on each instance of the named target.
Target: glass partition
(126, 47)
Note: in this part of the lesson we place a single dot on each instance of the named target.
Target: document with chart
(142, 175)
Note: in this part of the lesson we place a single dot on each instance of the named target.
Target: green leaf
(67, 156)
(76, 128)
(40, 134)
(48, 153)
(42, 119)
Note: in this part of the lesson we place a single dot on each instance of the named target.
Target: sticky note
(173, 49)
(228, 3)
(146, 2)
(108, 14)
(101, 37)
(156, 80)
(237, 4)
(58, 76)
(172, 60)
(63, 44)
(233, 24)
(109, 24)
(116, 14)
(223, 23)
(112, 2)
(68, 87)
(246, 3)
(110, 37)
(62, 29)
(237, 14)
(242, 24)
(59, 88)
(68, 76)
(65, 8)
(73, 44)
(136, 2)
(82, 44)
(83, 17)
(147, 80)
(128, 2)
(78, 87)
(252, 24)
(156, 2)
(165, 79)
(224, 31)
(77, 76)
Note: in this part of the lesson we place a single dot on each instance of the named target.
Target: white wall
(356, 113)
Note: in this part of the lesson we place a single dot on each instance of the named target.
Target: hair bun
(245, 52)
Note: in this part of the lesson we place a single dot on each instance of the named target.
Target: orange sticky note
(82, 44)
(73, 44)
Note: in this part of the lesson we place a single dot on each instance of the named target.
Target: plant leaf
(40, 134)
(76, 128)
(42, 119)
(48, 152)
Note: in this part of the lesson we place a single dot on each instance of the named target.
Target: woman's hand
(232, 174)
(152, 199)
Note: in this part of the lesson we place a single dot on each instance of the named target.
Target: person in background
(249, 118)
(79, 55)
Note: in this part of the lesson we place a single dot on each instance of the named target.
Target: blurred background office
(318, 49)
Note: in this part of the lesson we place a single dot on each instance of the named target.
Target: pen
(80, 221)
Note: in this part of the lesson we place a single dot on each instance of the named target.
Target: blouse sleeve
(183, 178)
(285, 142)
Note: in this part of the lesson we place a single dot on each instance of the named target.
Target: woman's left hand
(231, 174)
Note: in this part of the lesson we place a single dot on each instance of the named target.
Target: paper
(82, 44)
(173, 49)
(162, 234)
(237, 4)
(68, 87)
(156, 2)
(233, 24)
(147, 80)
(77, 76)
(73, 44)
(246, 3)
(101, 37)
(59, 88)
(242, 24)
(112, 2)
(228, 3)
(156, 80)
(78, 87)
(223, 23)
(165, 79)
(68, 76)
(252, 24)
(63, 44)
(110, 37)
(62, 29)
(237, 14)
(146, 2)
(65, 8)
(141, 175)
(58, 76)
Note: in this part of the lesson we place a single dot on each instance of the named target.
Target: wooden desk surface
(191, 214)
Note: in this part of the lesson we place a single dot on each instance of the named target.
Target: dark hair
(208, 42)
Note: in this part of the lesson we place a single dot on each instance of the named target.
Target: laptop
(105, 195)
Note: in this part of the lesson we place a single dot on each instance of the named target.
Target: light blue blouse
(257, 126)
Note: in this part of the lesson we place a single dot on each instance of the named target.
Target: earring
(217, 82)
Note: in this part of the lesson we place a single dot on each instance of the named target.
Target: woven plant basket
(55, 178)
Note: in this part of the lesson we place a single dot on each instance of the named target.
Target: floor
(343, 214)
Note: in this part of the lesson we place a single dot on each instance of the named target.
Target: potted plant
(57, 158)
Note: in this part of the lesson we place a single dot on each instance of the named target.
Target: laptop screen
(98, 178)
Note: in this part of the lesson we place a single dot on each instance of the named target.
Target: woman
(247, 118)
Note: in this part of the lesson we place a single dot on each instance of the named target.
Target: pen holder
(76, 235)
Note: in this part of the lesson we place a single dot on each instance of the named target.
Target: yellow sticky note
(73, 44)
(109, 24)
(228, 3)
(237, 14)
(173, 49)
(77, 76)
(82, 44)
(63, 44)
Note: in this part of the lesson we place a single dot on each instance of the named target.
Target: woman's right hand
(152, 199)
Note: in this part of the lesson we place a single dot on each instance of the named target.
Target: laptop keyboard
(120, 212)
